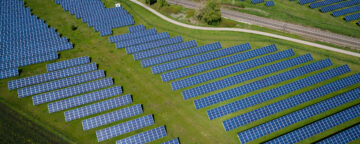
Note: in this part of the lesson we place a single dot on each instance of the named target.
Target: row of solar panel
(153, 44)
(131, 42)
(339, 5)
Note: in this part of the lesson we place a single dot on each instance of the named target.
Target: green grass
(169, 108)
(293, 12)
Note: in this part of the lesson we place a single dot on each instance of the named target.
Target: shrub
(162, 3)
(211, 13)
(150, 2)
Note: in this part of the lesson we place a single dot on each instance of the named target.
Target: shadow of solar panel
(112, 117)
(124, 127)
(141, 40)
(145, 137)
(319, 126)
(180, 54)
(67, 63)
(290, 102)
(154, 44)
(197, 59)
(230, 69)
(164, 50)
(343, 137)
(84, 99)
(71, 91)
(23, 82)
(217, 63)
(97, 107)
(276, 92)
(53, 85)
(297, 116)
(238, 91)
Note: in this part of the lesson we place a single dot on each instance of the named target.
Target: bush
(211, 13)
(162, 3)
(150, 2)
(73, 28)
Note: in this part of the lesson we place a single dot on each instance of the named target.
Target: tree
(162, 3)
(150, 2)
(210, 13)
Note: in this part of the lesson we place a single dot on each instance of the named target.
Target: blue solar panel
(124, 128)
(339, 5)
(276, 92)
(23, 82)
(290, 102)
(53, 85)
(180, 54)
(9, 73)
(269, 3)
(217, 63)
(238, 91)
(346, 11)
(67, 63)
(343, 137)
(302, 2)
(133, 35)
(352, 17)
(173, 141)
(71, 91)
(28, 61)
(136, 28)
(297, 116)
(164, 50)
(318, 126)
(97, 107)
(144, 137)
(112, 117)
(155, 44)
(323, 3)
(257, 1)
(231, 69)
(141, 40)
(84, 99)
(213, 86)
(197, 59)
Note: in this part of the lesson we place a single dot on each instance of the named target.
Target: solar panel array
(25, 39)
(151, 45)
(217, 63)
(276, 92)
(238, 91)
(112, 117)
(319, 126)
(352, 17)
(269, 3)
(229, 81)
(124, 127)
(173, 141)
(346, 11)
(57, 84)
(136, 28)
(67, 63)
(323, 3)
(297, 116)
(343, 137)
(339, 5)
(96, 15)
(231, 69)
(131, 42)
(290, 102)
(145, 137)
(127, 36)
(84, 99)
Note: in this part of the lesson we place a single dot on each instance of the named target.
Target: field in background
(169, 108)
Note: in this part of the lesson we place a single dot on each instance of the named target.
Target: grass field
(293, 12)
(179, 116)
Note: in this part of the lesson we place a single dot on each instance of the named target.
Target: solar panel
(173, 141)
(67, 63)
(319, 126)
(28, 61)
(154, 44)
(71, 91)
(164, 50)
(276, 92)
(133, 35)
(259, 84)
(197, 59)
(53, 85)
(290, 102)
(23, 82)
(232, 69)
(180, 54)
(343, 137)
(339, 5)
(97, 107)
(84, 99)
(125, 127)
(223, 83)
(346, 11)
(136, 28)
(217, 63)
(141, 40)
(111, 117)
(9, 73)
(297, 116)
(145, 137)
